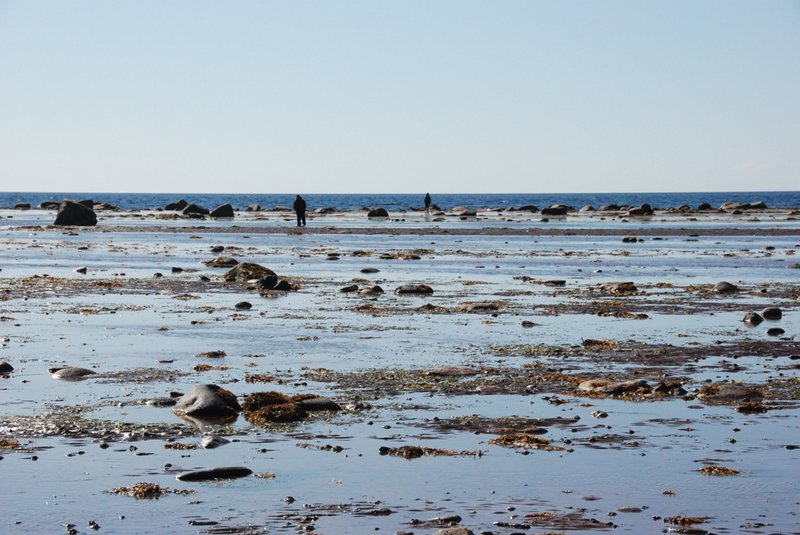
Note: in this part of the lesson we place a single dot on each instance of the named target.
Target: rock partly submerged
(211, 474)
(208, 403)
(75, 214)
(71, 373)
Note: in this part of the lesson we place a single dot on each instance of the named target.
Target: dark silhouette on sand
(427, 202)
(300, 209)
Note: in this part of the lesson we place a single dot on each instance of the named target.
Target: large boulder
(207, 401)
(643, 210)
(22, 206)
(226, 210)
(378, 212)
(74, 214)
(247, 271)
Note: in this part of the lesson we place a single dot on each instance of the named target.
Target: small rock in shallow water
(5, 367)
(775, 331)
(419, 289)
(213, 442)
(243, 305)
(772, 313)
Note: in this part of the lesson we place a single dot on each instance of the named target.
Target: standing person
(427, 202)
(300, 210)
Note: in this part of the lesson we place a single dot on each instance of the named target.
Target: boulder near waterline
(221, 262)
(75, 214)
(772, 313)
(177, 205)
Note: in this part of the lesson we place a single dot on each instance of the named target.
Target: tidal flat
(582, 374)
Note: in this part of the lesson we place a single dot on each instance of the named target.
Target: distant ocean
(398, 202)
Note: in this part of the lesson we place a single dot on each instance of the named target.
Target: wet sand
(530, 392)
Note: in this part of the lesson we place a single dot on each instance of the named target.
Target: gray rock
(224, 472)
(772, 313)
(725, 393)
(75, 214)
(349, 289)
(243, 305)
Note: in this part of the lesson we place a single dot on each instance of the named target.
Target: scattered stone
(712, 470)
(145, 491)
(82, 270)
(370, 270)
(775, 331)
(225, 472)
(223, 211)
(243, 305)
(349, 289)
(75, 214)
(411, 289)
(5, 367)
(752, 319)
(772, 313)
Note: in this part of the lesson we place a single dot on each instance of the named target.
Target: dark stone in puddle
(370, 270)
(243, 305)
(70, 373)
(772, 313)
(5, 367)
(752, 319)
(213, 442)
(225, 472)
(775, 331)
(319, 403)
(349, 289)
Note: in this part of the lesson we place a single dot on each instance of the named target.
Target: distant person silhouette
(427, 202)
(300, 209)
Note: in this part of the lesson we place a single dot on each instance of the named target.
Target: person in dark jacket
(300, 210)
(427, 202)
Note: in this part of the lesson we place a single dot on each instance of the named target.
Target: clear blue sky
(399, 96)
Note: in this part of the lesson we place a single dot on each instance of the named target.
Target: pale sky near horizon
(411, 96)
